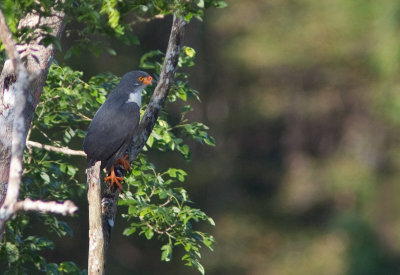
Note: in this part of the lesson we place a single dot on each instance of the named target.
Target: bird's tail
(90, 162)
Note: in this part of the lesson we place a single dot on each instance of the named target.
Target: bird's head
(136, 79)
(130, 87)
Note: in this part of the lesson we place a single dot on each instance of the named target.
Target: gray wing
(110, 132)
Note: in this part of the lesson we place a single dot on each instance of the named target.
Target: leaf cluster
(21, 253)
(90, 21)
(158, 206)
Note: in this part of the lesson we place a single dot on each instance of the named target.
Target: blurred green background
(303, 98)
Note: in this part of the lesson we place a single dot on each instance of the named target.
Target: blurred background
(303, 99)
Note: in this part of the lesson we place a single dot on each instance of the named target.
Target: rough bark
(16, 106)
(110, 196)
(37, 59)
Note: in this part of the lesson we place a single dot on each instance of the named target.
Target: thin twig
(46, 136)
(166, 202)
(63, 150)
(85, 117)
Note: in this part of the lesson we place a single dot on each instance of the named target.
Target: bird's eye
(141, 78)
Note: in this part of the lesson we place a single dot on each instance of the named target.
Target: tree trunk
(37, 59)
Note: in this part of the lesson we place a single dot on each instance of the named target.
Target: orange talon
(114, 179)
(124, 163)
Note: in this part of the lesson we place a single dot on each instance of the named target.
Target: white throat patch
(135, 97)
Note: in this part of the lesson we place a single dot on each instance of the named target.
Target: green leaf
(68, 268)
(149, 233)
(199, 267)
(200, 3)
(211, 221)
(12, 252)
(172, 172)
(166, 254)
(190, 52)
(129, 231)
(111, 51)
(66, 228)
(45, 177)
(150, 141)
(51, 269)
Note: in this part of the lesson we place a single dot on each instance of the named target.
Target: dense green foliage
(155, 202)
(100, 18)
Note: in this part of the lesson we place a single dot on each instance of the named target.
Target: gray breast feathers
(110, 132)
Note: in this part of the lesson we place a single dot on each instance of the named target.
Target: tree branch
(63, 150)
(17, 94)
(110, 196)
(37, 58)
(65, 208)
(19, 97)
(160, 93)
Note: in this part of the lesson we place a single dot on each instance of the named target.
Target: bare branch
(37, 60)
(63, 150)
(20, 88)
(65, 208)
(18, 91)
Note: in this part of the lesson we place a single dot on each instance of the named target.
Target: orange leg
(124, 163)
(114, 179)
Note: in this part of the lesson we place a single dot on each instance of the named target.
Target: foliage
(99, 18)
(21, 252)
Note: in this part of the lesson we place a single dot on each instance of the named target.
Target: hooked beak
(148, 80)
